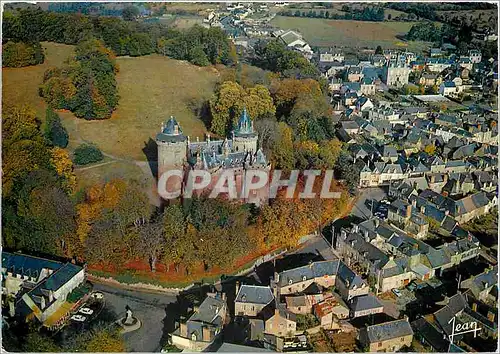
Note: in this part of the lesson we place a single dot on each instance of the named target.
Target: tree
(282, 150)
(20, 54)
(86, 154)
(64, 168)
(54, 130)
(430, 149)
(379, 50)
(230, 100)
(348, 171)
(130, 13)
(105, 341)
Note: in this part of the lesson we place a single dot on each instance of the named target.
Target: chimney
(208, 137)
(183, 330)
(474, 307)
(377, 222)
(237, 287)
(408, 211)
(491, 316)
(224, 297)
(422, 209)
(205, 333)
(196, 308)
(414, 202)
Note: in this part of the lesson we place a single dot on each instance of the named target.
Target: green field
(360, 34)
(151, 88)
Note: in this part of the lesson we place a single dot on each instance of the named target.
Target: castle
(240, 153)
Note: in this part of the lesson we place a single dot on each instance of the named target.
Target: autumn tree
(230, 100)
(63, 165)
(282, 150)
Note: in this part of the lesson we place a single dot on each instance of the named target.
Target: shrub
(86, 154)
(19, 54)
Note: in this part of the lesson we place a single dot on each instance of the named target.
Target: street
(150, 308)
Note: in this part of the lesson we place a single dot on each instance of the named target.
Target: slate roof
(389, 330)
(349, 278)
(365, 302)
(27, 265)
(254, 294)
(437, 257)
(432, 335)
(311, 271)
(481, 281)
(171, 132)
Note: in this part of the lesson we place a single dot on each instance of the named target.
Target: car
(86, 311)
(97, 295)
(78, 318)
(412, 286)
(397, 292)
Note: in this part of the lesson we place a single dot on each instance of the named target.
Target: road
(150, 308)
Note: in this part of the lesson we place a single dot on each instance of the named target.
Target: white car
(78, 318)
(86, 311)
(397, 292)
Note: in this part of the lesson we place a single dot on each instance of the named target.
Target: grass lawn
(20, 85)
(326, 33)
(151, 89)
(185, 22)
(106, 170)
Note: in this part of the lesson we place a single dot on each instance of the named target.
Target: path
(94, 166)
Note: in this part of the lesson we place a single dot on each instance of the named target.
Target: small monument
(129, 323)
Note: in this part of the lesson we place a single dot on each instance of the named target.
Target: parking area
(362, 208)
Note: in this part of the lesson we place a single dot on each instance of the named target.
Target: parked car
(78, 318)
(397, 292)
(86, 311)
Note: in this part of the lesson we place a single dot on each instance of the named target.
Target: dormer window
(304, 278)
(290, 281)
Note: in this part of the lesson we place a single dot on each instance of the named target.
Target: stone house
(296, 280)
(330, 311)
(40, 286)
(282, 323)
(387, 337)
(365, 305)
(203, 326)
(354, 74)
(408, 218)
(302, 304)
(252, 299)
(484, 286)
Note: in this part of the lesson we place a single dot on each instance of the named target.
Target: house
(485, 180)
(331, 56)
(408, 218)
(39, 286)
(252, 299)
(204, 325)
(350, 126)
(349, 284)
(438, 64)
(302, 304)
(294, 40)
(475, 56)
(430, 336)
(388, 153)
(484, 286)
(448, 88)
(354, 74)
(458, 183)
(395, 73)
(365, 305)
(466, 63)
(282, 323)
(389, 336)
(401, 189)
(330, 311)
(296, 280)
(363, 104)
(430, 79)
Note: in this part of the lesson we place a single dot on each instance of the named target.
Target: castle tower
(172, 146)
(244, 137)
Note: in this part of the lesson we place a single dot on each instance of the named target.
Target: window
(379, 344)
(402, 339)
